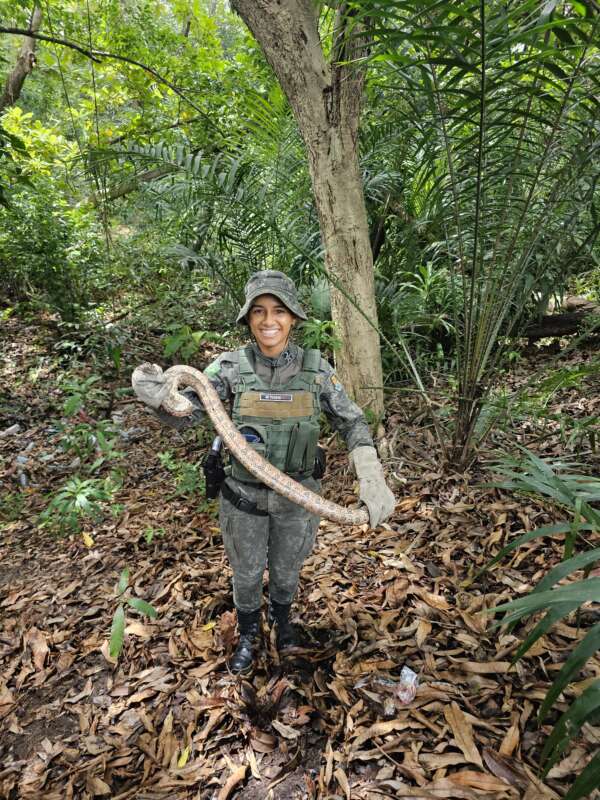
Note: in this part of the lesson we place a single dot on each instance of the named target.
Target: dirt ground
(166, 719)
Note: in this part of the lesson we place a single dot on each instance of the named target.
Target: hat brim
(288, 301)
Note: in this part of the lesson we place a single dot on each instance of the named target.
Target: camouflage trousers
(278, 542)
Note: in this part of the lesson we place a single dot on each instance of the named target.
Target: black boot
(287, 634)
(243, 658)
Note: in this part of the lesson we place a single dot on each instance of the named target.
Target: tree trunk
(24, 66)
(325, 99)
(339, 198)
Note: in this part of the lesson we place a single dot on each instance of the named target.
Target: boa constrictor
(178, 405)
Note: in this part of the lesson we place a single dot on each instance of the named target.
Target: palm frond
(499, 102)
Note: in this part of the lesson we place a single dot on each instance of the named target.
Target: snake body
(178, 405)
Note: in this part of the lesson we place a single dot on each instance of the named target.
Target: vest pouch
(239, 472)
(295, 450)
(310, 457)
(301, 449)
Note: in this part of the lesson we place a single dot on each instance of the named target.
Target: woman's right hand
(149, 384)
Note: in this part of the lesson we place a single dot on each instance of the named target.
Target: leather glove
(149, 385)
(374, 491)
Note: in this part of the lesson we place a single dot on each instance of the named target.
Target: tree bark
(25, 63)
(325, 99)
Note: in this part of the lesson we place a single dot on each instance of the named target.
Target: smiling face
(270, 323)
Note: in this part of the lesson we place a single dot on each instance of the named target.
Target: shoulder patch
(335, 382)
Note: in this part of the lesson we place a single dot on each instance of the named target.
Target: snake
(178, 405)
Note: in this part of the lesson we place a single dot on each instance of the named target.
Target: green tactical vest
(286, 419)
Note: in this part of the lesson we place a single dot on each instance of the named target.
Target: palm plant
(558, 595)
(241, 210)
(500, 109)
(557, 482)
(238, 211)
(558, 602)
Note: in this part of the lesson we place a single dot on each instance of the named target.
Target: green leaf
(117, 633)
(183, 758)
(568, 726)
(172, 344)
(142, 606)
(72, 405)
(587, 781)
(567, 567)
(584, 650)
(546, 531)
(82, 502)
(123, 581)
(580, 592)
(554, 615)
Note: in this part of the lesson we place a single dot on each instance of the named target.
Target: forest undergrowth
(164, 719)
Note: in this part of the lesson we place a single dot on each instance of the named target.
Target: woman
(277, 392)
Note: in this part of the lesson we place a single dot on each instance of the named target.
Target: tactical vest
(285, 419)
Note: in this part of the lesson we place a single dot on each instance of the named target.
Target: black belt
(240, 502)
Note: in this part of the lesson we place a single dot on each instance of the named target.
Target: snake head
(148, 384)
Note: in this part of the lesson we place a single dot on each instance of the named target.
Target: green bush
(417, 306)
(320, 334)
(79, 500)
(49, 251)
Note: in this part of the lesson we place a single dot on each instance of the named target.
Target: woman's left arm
(348, 419)
(343, 414)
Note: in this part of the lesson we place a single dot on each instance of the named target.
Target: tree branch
(99, 55)
(150, 131)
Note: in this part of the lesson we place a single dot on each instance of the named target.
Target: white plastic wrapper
(407, 687)
(389, 694)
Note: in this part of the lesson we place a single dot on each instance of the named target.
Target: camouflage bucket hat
(269, 281)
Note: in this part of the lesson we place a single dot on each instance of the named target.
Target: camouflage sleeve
(343, 414)
(221, 374)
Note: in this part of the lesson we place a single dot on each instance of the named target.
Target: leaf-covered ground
(168, 721)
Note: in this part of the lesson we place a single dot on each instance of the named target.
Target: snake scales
(178, 405)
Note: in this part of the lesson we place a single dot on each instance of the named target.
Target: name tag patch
(276, 397)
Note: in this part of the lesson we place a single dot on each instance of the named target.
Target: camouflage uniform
(284, 537)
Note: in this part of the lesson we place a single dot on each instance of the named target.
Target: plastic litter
(390, 694)
(10, 431)
(407, 687)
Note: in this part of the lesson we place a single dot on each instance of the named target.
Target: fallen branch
(566, 324)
